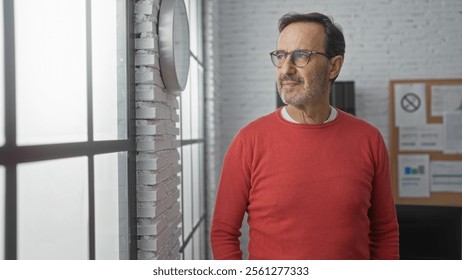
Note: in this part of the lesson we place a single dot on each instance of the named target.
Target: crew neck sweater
(310, 191)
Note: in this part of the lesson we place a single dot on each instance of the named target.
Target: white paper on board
(421, 138)
(446, 176)
(410, 105)
(446, 98)
(452, 132)
(413, 175)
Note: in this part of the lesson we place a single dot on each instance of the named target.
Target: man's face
(299, 86)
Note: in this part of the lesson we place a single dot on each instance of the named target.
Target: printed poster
(413, 175)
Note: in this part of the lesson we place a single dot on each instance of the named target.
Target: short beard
(303, 96)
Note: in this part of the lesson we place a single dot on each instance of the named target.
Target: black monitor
(342, 96)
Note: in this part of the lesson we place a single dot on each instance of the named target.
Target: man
(313, 179)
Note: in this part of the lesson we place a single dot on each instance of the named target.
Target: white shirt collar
(287, 117)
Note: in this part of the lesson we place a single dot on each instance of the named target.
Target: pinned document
(446, 98)
(421, 138)
(413, 175)
(410, 105)
(452, 132)
(446, 176)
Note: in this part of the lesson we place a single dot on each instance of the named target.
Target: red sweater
(310, 191)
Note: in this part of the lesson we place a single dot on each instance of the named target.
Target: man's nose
(288, 67)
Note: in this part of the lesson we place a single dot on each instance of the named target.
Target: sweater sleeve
(231, 202)
(384, 234)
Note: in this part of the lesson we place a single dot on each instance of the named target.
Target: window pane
(203, 233)
(53, 209)
(2, 212)
(194, 100)
(108, 70)
(199, 32)
(188, 253)
(195, 28)
(197, 100)
(185, 100)
(50, 71)
(196, 176)
(200, 106)
(187, 191)
(192, 15)
(197, 244)
(111, 206)
(186, 4)
(2, 81)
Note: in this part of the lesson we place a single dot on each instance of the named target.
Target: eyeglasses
(299, 58)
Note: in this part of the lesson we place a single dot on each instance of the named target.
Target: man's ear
(336, 63)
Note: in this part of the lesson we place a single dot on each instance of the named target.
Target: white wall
(385, 40)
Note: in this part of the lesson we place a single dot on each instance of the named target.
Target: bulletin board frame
(436, 198)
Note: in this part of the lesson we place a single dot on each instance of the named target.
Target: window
(192, 143)
(66, 139)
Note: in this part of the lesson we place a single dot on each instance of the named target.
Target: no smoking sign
(410, 102)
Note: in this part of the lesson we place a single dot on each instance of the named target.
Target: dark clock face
(174, 44)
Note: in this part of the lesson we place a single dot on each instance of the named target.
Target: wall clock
(174, 44)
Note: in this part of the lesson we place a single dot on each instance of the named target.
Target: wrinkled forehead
(302, 35)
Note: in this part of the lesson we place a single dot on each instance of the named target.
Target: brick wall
(157, 159)
(385, 39)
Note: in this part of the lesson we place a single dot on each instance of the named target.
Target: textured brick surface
(158, 166)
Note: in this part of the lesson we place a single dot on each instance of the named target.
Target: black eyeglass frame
(273, 54)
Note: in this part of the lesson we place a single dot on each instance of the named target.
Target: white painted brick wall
(385, 40)
(157, 159)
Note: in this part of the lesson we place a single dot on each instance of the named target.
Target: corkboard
(436, 198)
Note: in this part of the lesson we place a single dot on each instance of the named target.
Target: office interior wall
(385, 39)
